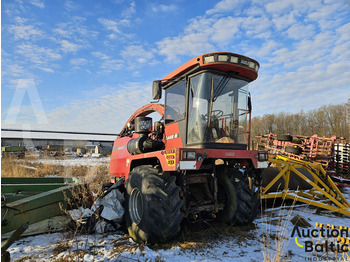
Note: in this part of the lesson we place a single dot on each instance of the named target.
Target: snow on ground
(82, 161)
(251, 245)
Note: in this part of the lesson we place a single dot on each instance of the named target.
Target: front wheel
(241, 203)
(153, 206)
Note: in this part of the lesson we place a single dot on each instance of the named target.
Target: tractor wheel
(242, 204)
(153, 206)
(285, 138)
(293, 150)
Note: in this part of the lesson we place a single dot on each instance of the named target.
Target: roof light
(209, 59)
(245, 62)
(230, 58)
(234, 59)
(222, 58)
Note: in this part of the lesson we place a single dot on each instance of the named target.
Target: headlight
(262, 156)
(188, 155)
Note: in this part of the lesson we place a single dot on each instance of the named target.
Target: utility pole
(347, 115)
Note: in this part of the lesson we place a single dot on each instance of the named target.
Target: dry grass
(95, 176)
(275, 241)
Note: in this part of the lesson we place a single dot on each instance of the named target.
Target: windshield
(217, 109)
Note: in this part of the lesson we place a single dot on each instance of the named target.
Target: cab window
(175, 102)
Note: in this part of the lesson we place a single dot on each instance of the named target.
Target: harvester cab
(195, 162)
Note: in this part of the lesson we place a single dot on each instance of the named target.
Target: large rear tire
(153, 206)
(241, 203)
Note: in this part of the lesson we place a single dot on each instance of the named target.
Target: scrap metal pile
(333, 153)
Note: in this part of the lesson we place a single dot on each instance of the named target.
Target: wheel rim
(136, 206)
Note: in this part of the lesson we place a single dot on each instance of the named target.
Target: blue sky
(87, 65)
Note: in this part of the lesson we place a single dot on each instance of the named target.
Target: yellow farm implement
(320, 190)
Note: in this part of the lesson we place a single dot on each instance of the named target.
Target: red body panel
(118, 165)
(172, 137)
(170, 159)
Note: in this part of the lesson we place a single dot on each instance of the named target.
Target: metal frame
(324, 194)
(31, 200)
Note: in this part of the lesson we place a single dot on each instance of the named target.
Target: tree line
(328, 120)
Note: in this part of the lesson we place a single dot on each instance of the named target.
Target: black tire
(226, 195)
(153, 206)
(285, 138)
(293, 150)
(242, 204)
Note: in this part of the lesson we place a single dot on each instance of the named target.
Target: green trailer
(40, 202)
(18, 151)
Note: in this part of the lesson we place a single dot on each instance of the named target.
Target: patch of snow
(28, 167)
(74, 161)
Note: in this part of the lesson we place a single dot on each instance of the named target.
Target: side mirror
(249, 103)
(157, 90)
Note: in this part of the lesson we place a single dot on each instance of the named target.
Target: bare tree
(328, 120)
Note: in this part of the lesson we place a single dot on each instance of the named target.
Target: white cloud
(109, 64)
(107, 112)
(327, 10)
(136, 56)
(109, 25)
(279, 7)
(191, 44)
(200, 36)
(68, 47)
(25, 32)
(39, 57)
(114, 26)
(130, 10)
(308, 88)
(284, 21)
(299, 31)
(164, 8)
(78, 61)
(37, 3)
(74, 29)
(264, 50)
(12, 70)
(256, 26)
(100, 55)
(225, 6)
(224, 30)
(70, 5)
